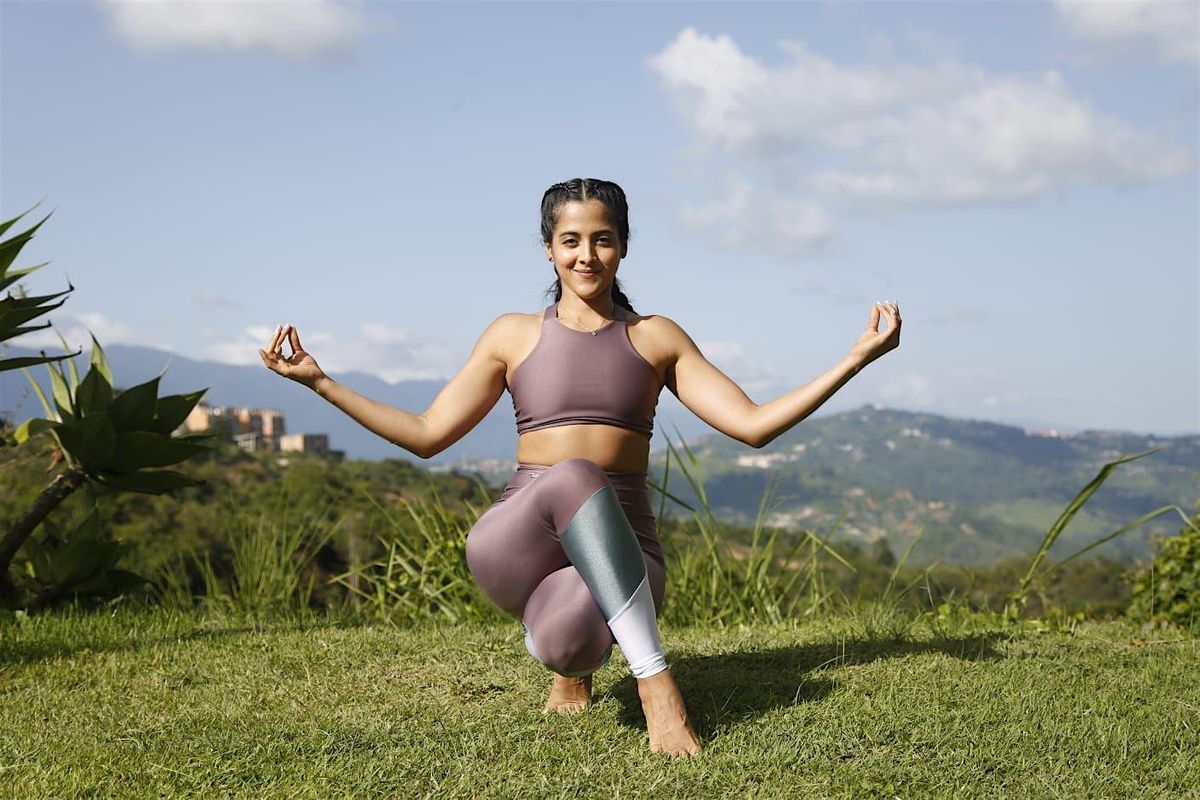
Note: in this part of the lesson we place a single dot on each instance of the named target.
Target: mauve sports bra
(577, 378)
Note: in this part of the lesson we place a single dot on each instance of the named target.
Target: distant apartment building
(304, 443)
(253, 429)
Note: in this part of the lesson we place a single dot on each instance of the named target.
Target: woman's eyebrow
(601, 232)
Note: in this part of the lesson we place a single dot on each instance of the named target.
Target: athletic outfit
(571, 549)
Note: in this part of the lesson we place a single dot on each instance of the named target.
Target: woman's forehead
(590, 213)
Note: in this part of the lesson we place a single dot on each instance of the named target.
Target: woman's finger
(279, 341)
(295, 339)
(271, 341)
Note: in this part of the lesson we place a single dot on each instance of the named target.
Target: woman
(570, 547)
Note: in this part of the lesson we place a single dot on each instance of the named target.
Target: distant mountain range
(975, 490)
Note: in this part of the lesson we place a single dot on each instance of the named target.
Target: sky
(1020, 177)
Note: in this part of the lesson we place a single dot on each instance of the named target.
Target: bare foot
(569, 694)
(666, 716)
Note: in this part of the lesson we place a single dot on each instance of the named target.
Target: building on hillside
(253, 429)
(304, 443)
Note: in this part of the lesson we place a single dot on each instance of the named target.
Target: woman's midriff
(609, 447)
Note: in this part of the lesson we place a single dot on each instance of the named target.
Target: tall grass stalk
(423, 570)
(1032, 577)
(712, 583)
(271, 565)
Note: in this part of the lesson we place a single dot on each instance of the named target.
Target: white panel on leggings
(636, 631)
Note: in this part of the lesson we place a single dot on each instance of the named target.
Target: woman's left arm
(716, 399)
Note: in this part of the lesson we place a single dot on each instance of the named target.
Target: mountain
(972, 491)
(975, 491)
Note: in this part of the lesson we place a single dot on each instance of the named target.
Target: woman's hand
(299, 366)
(872, 344)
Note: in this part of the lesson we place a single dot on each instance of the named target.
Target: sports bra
(578, 378)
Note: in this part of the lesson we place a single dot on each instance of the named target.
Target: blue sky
(1020, 177)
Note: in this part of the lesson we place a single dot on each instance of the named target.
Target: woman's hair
(582, 189)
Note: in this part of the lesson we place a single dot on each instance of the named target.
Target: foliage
(267, 564)
(423, 570)
(82, 563)
(1168, 589)
(104, 438)
(17, 310)
(112, 437)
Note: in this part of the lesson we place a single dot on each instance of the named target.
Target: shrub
(1168, 589)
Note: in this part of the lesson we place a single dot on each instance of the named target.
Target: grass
(149, 703)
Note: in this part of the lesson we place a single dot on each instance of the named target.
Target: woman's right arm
(397, 426)
(463, 402)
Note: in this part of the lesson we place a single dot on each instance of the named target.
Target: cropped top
(578, 378)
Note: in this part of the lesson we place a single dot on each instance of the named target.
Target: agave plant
(16, 310)
(110, 439)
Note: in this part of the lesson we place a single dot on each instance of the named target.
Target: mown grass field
(149, 704)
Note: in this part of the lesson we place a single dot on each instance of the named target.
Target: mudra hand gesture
(299, 366)
(872, 344)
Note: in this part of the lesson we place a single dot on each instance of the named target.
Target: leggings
(556, 551)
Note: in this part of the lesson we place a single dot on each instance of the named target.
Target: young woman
(570, 547)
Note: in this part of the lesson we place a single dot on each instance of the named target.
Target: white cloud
(389, 353)
(78, 330)
(1171, 27)
(295, 30)
(896, 136)
(744, 216)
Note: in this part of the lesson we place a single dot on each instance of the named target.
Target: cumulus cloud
(754, 218)
(392, 354)
(78, 330)
(1172, 27)
(897, 136)
(295, 30)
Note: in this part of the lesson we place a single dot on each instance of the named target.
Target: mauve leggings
(514, 553)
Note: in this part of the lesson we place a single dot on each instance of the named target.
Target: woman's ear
(549, 252)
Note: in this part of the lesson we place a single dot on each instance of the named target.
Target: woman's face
(585, 248)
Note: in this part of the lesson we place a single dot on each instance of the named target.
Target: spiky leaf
(173, 410)
(133, 409)
(139, 449)
(156, 482)
(99, 361)
(32, 427)
(89, 440)
(94, 394)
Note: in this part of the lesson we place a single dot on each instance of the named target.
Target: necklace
(587, 329)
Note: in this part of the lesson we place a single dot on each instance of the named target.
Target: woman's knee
(571, 652)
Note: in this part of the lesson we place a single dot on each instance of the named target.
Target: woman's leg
(566, 630)
(567, 527)
(527, 536)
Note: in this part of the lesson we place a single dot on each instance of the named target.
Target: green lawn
(148, 704)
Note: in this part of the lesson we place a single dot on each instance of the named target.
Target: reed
(270, 569)
(422, 572)
(711, 583)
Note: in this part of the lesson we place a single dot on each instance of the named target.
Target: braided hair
(582, 189)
